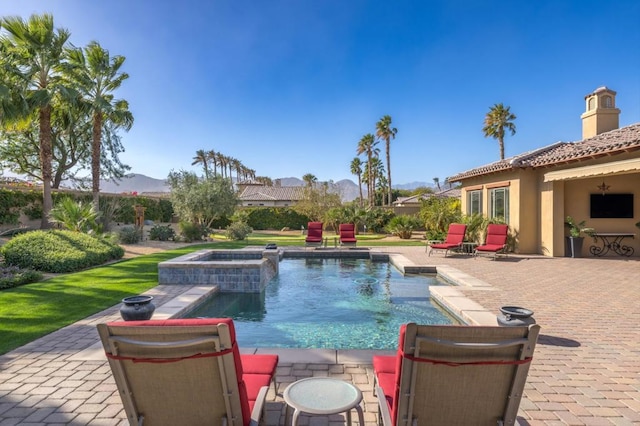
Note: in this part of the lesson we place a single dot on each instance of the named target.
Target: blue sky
(290, 87)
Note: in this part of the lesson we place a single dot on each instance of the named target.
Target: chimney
(601, 114)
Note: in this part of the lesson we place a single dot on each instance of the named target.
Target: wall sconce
(604, 187)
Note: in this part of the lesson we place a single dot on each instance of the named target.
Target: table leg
(294, 421)
(348, 417)
(360, 414)
(286, 415)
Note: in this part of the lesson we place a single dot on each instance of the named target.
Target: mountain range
(144, 184)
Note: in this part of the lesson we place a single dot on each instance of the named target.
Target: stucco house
(596, 179)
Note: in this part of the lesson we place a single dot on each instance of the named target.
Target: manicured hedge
(58, 251)
(275, 218)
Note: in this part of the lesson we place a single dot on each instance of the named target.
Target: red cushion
(490, 247)
(384, 364)
(444, 246)
(259, 364)
(387, 381)
(253, 384)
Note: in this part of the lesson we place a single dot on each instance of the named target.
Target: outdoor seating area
(314, 234)
(578, 375)
(495, 241)
(453, 241)
(347, 233)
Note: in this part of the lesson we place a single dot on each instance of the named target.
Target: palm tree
(436, 180)
(202, 158)
(212, 156)
(356, 169)
(96, 75)
(385, 132)
(496, 121)
(309, 179)
(367, 145)
(33, 52)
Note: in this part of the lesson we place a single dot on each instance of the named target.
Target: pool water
(328, 303)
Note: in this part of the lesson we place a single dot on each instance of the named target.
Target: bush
(161, 233)
(128, 235)
(238, 231)
(59, 251)
(12, 276)
(403, 226)
(191, 232)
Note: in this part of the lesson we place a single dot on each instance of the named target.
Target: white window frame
(497, 206)
(477, 194)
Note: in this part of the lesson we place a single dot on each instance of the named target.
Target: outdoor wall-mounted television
(609, 206)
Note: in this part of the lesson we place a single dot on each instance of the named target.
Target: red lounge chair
(314, 234)
(347, 234)
(186, 371)
(496, 241)
(454, 375)
(455, 237)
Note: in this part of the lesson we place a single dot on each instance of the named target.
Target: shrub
(128, 235)
(161, 233)
(75, 216)
(191, 232)
(403, 226)
(12, 276)
(58, 251)
(238, 231)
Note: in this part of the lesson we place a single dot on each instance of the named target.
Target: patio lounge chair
(454, 375)
(496, 241)
(186, 371)
(347, 234)
(455, 237)
(314, 234)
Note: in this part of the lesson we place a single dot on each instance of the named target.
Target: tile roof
(416, 199)
(608, 143)
(272, 193)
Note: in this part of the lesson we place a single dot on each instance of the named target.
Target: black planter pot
(137, 308)
(515, 316)
(573, 246)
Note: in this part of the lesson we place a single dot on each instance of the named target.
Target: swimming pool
(329, 303)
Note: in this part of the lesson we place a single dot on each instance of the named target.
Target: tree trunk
(95, 159)
(389, 171)
(45, 163)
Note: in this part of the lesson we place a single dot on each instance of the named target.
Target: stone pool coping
(449, 297)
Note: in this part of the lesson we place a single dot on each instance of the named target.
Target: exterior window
(606, 102)
(474, 202)
(499, 203)
(592, 103)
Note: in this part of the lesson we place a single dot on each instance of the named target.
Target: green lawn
(34, 310)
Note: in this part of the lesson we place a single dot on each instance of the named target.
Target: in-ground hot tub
(236, 271)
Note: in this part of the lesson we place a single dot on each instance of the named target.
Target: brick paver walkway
(586, 369)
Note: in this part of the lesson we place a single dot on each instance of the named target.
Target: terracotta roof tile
(608, 143)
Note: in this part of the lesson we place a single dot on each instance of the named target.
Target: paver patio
(586, 370)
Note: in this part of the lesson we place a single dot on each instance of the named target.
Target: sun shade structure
(454, 375)
(455, 237)
(186, 372)
(496, 241)
(347, 234)
(314, 234)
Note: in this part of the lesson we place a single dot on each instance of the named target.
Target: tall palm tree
(202, 158)
(436, 180)
(356, 169)
(385, 132)
(309, 179)
(496, 121)
(213, 158)
(367, 145)
(96, 75)
(33, 51)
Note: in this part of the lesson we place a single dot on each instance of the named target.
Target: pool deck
(586, 369)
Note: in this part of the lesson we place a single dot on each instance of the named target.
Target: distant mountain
(413, 185)
(135, 183)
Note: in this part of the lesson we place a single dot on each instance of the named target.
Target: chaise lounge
(453, 241)
(186, 372)
(347, 234)
(314, 234)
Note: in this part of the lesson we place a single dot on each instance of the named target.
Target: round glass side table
(323, 395)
